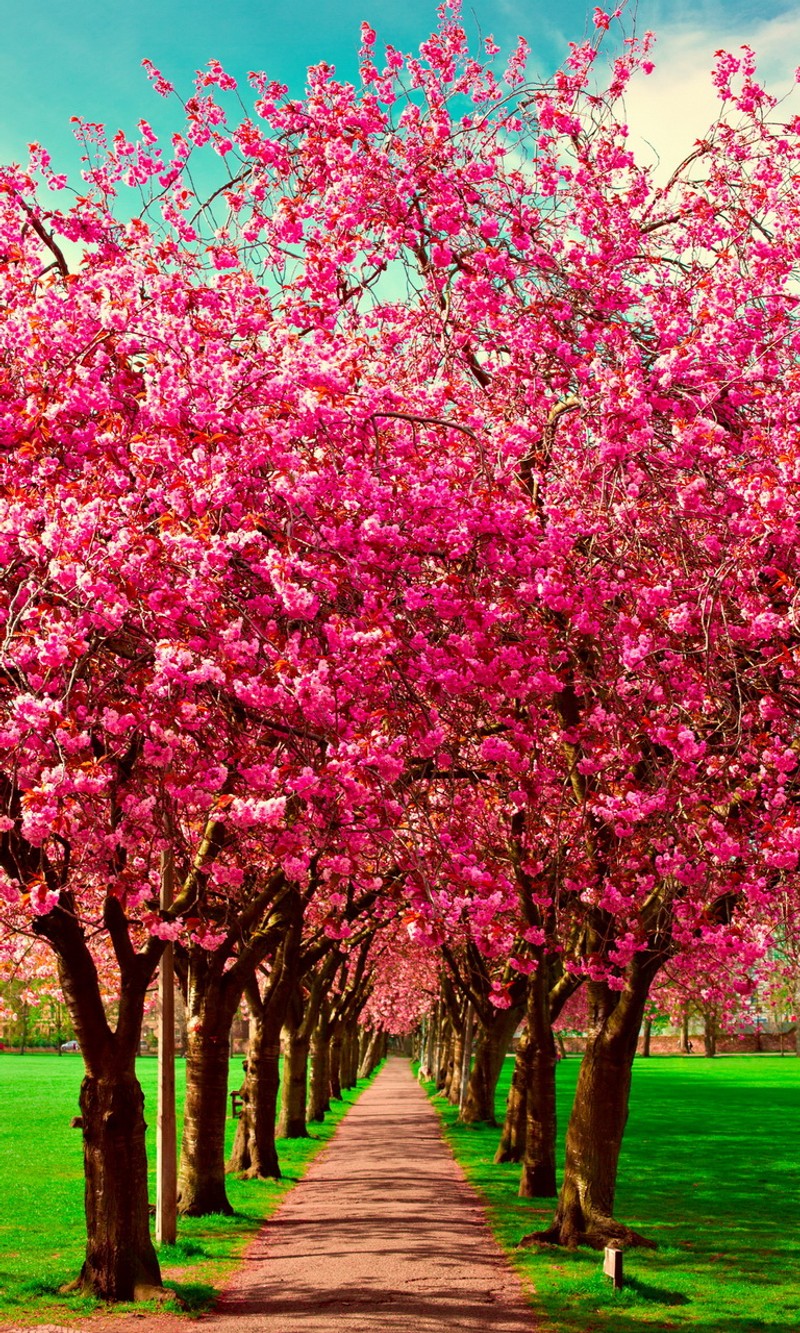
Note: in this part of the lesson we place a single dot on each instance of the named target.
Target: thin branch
(46, 237)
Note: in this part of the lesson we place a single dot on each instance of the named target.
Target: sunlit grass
(709, 1169)
(42, 1235)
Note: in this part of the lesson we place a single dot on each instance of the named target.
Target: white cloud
(677, 103)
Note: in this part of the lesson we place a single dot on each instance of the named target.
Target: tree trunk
(648, 1030)
(201, 1175)
(319, 1092)
(335, 1063)
(491, 1047)
(347, 1072)
(344, 1059)
(452, 1087)
(430, 1049)
(709, 1032)
(512, 1140)
(443, 1068)
(350, 1056)
(214, 984)
(254, 1152)
(538, 1176)
(121, 1263)
(372, 1056)
(23, 1040)
(292, 1122)
(594, 1136)
(684, 1045)
(364, 1039)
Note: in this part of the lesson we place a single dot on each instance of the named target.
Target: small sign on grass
(612, 1266)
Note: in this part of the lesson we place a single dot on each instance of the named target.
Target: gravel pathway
(383, 1234)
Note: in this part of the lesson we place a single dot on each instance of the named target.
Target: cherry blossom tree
(427, 499)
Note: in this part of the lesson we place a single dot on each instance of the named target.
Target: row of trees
(400, 563)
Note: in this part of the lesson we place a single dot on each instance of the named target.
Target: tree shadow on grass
(193, 1297)
(660, 1295)
(181, 1249)
(623, 1322)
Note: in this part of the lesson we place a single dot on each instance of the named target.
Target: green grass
(709, 1169)
(42, 1235)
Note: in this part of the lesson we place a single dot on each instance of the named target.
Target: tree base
(254, 1173)
(197, 1210)
(142, 1291)
(246, 1165)
(597, 1234)
(508, 1154)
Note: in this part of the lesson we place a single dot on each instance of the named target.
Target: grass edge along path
(44, 1240)
(708, 1170)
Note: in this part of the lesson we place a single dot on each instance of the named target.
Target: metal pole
(166, 1140)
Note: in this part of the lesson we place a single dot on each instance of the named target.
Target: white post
(166, 1143)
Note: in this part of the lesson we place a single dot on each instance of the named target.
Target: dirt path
(382, 1235)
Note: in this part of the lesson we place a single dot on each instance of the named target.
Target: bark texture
(538, 1176)
(120, 1262)
(512, 1139)
(646, 1035)
(292, 1121)
(336, 1063)
(349, 1061)
(213, 987)
(255, 1153)
(319, 1087)
(431, 1036)
(494, 1038)
(710, 1030)
(444, 1062)
(307, 1012)
(372, 1055)
(201, 1174)
(585, 1211)
(455, 1065)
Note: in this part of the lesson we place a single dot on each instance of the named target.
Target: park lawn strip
(708, 1169)
(42, 1229)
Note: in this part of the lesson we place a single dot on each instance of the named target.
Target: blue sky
(60, 58)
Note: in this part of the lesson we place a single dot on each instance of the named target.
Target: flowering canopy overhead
(420, 504)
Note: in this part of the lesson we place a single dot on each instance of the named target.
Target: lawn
(42, 1235)
(709, 1169)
